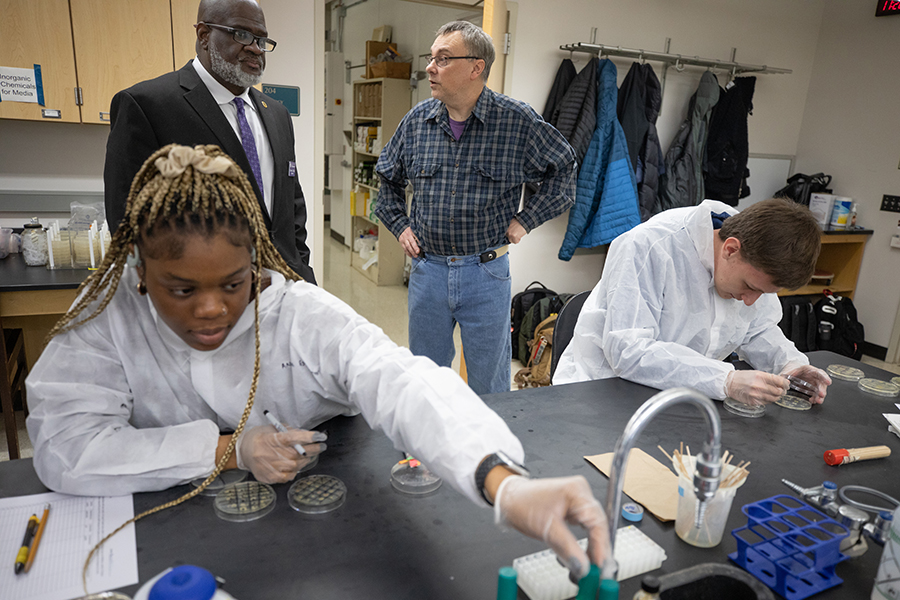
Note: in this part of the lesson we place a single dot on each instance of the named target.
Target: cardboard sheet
(647, 481)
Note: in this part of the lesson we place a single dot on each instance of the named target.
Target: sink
(712, 581)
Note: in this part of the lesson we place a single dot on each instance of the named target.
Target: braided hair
(184, 190)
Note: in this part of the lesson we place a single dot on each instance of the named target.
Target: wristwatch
(492, 460)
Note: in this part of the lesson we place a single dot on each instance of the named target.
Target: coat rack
(679, 61)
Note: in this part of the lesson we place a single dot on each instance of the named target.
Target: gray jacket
(682, 182)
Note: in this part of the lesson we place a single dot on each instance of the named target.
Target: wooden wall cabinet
(98, 46)
(39, 32)
(377, 103)
(841, 254)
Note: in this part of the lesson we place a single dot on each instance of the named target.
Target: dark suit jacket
(178, 108)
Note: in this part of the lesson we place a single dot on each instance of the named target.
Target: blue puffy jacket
(606, 202)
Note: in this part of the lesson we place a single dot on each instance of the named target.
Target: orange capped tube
(843, 456)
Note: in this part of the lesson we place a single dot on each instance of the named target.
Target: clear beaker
(712, 528)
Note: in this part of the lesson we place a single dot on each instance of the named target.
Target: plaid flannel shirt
(466, 192)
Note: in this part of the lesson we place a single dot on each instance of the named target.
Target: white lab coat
(655, 317)
(121, 404)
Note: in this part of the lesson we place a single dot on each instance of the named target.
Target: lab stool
(13, 370)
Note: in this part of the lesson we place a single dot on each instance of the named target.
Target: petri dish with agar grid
(744, 410)
(244, 501)
(877, 387)
(844, 372)
(794, 401)
(224, 478)
(317, 494)
(410, 476)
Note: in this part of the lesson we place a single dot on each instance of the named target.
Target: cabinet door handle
(104, 116)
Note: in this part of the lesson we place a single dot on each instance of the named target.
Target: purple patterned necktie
(248, 143)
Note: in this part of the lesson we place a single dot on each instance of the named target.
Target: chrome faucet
(706, 475)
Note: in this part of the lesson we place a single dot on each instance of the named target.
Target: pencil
(37, 538)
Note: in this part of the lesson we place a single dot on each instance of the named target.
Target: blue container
(789, 546)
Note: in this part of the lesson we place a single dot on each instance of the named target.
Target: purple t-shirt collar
(457, 128)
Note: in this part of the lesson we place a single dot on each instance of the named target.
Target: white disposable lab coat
(655, 317)
(121, 404)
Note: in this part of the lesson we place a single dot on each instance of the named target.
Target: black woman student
(193, 308)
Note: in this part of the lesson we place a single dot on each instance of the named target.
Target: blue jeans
(446, 290)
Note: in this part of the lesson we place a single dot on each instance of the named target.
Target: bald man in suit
(211, 100)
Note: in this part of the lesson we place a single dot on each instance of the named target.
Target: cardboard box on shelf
(373, 49)
(392, 70)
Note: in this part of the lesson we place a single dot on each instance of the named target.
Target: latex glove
(755, 388)
(813, 375)
(541, 508)
(270, 455)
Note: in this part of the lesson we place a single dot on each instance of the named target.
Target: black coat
(637, 107)
(727, 148)
(577, 111)
(178, 108)
(564, 77)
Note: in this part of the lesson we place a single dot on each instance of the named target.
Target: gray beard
(230, 72)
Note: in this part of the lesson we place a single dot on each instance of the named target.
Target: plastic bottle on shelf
(649, 589)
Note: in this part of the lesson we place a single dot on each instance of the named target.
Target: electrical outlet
(890, 203)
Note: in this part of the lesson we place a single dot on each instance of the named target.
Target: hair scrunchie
(182, 157)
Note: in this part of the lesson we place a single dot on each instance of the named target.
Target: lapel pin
(264, 104)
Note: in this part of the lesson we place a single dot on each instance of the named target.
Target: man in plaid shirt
(467, 153)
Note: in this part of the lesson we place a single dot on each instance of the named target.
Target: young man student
(194, 324)
(690, 286)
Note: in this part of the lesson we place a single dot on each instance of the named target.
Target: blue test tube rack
(789, 546)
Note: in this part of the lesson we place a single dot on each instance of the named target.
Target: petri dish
(410, 476)
(794, 402)
(311, 464)
(224, 478)
(801, 387)
(244, 501)
(879, 388)
(844, 372)
(317, 494)
(744, 410)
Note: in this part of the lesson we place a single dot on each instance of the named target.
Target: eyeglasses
(246, 38)
(443, 61)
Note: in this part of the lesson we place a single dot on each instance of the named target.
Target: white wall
(771, 32)
(299, 28)
(50, 157)
(851, 130)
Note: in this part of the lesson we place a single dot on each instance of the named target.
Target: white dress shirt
(224, 99)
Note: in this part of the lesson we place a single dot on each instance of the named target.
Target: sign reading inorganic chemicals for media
(21, 85)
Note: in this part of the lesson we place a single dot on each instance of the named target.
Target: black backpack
(799, 322)
(839, 330)
(538, 312)
(521, 303)
(800, 186)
